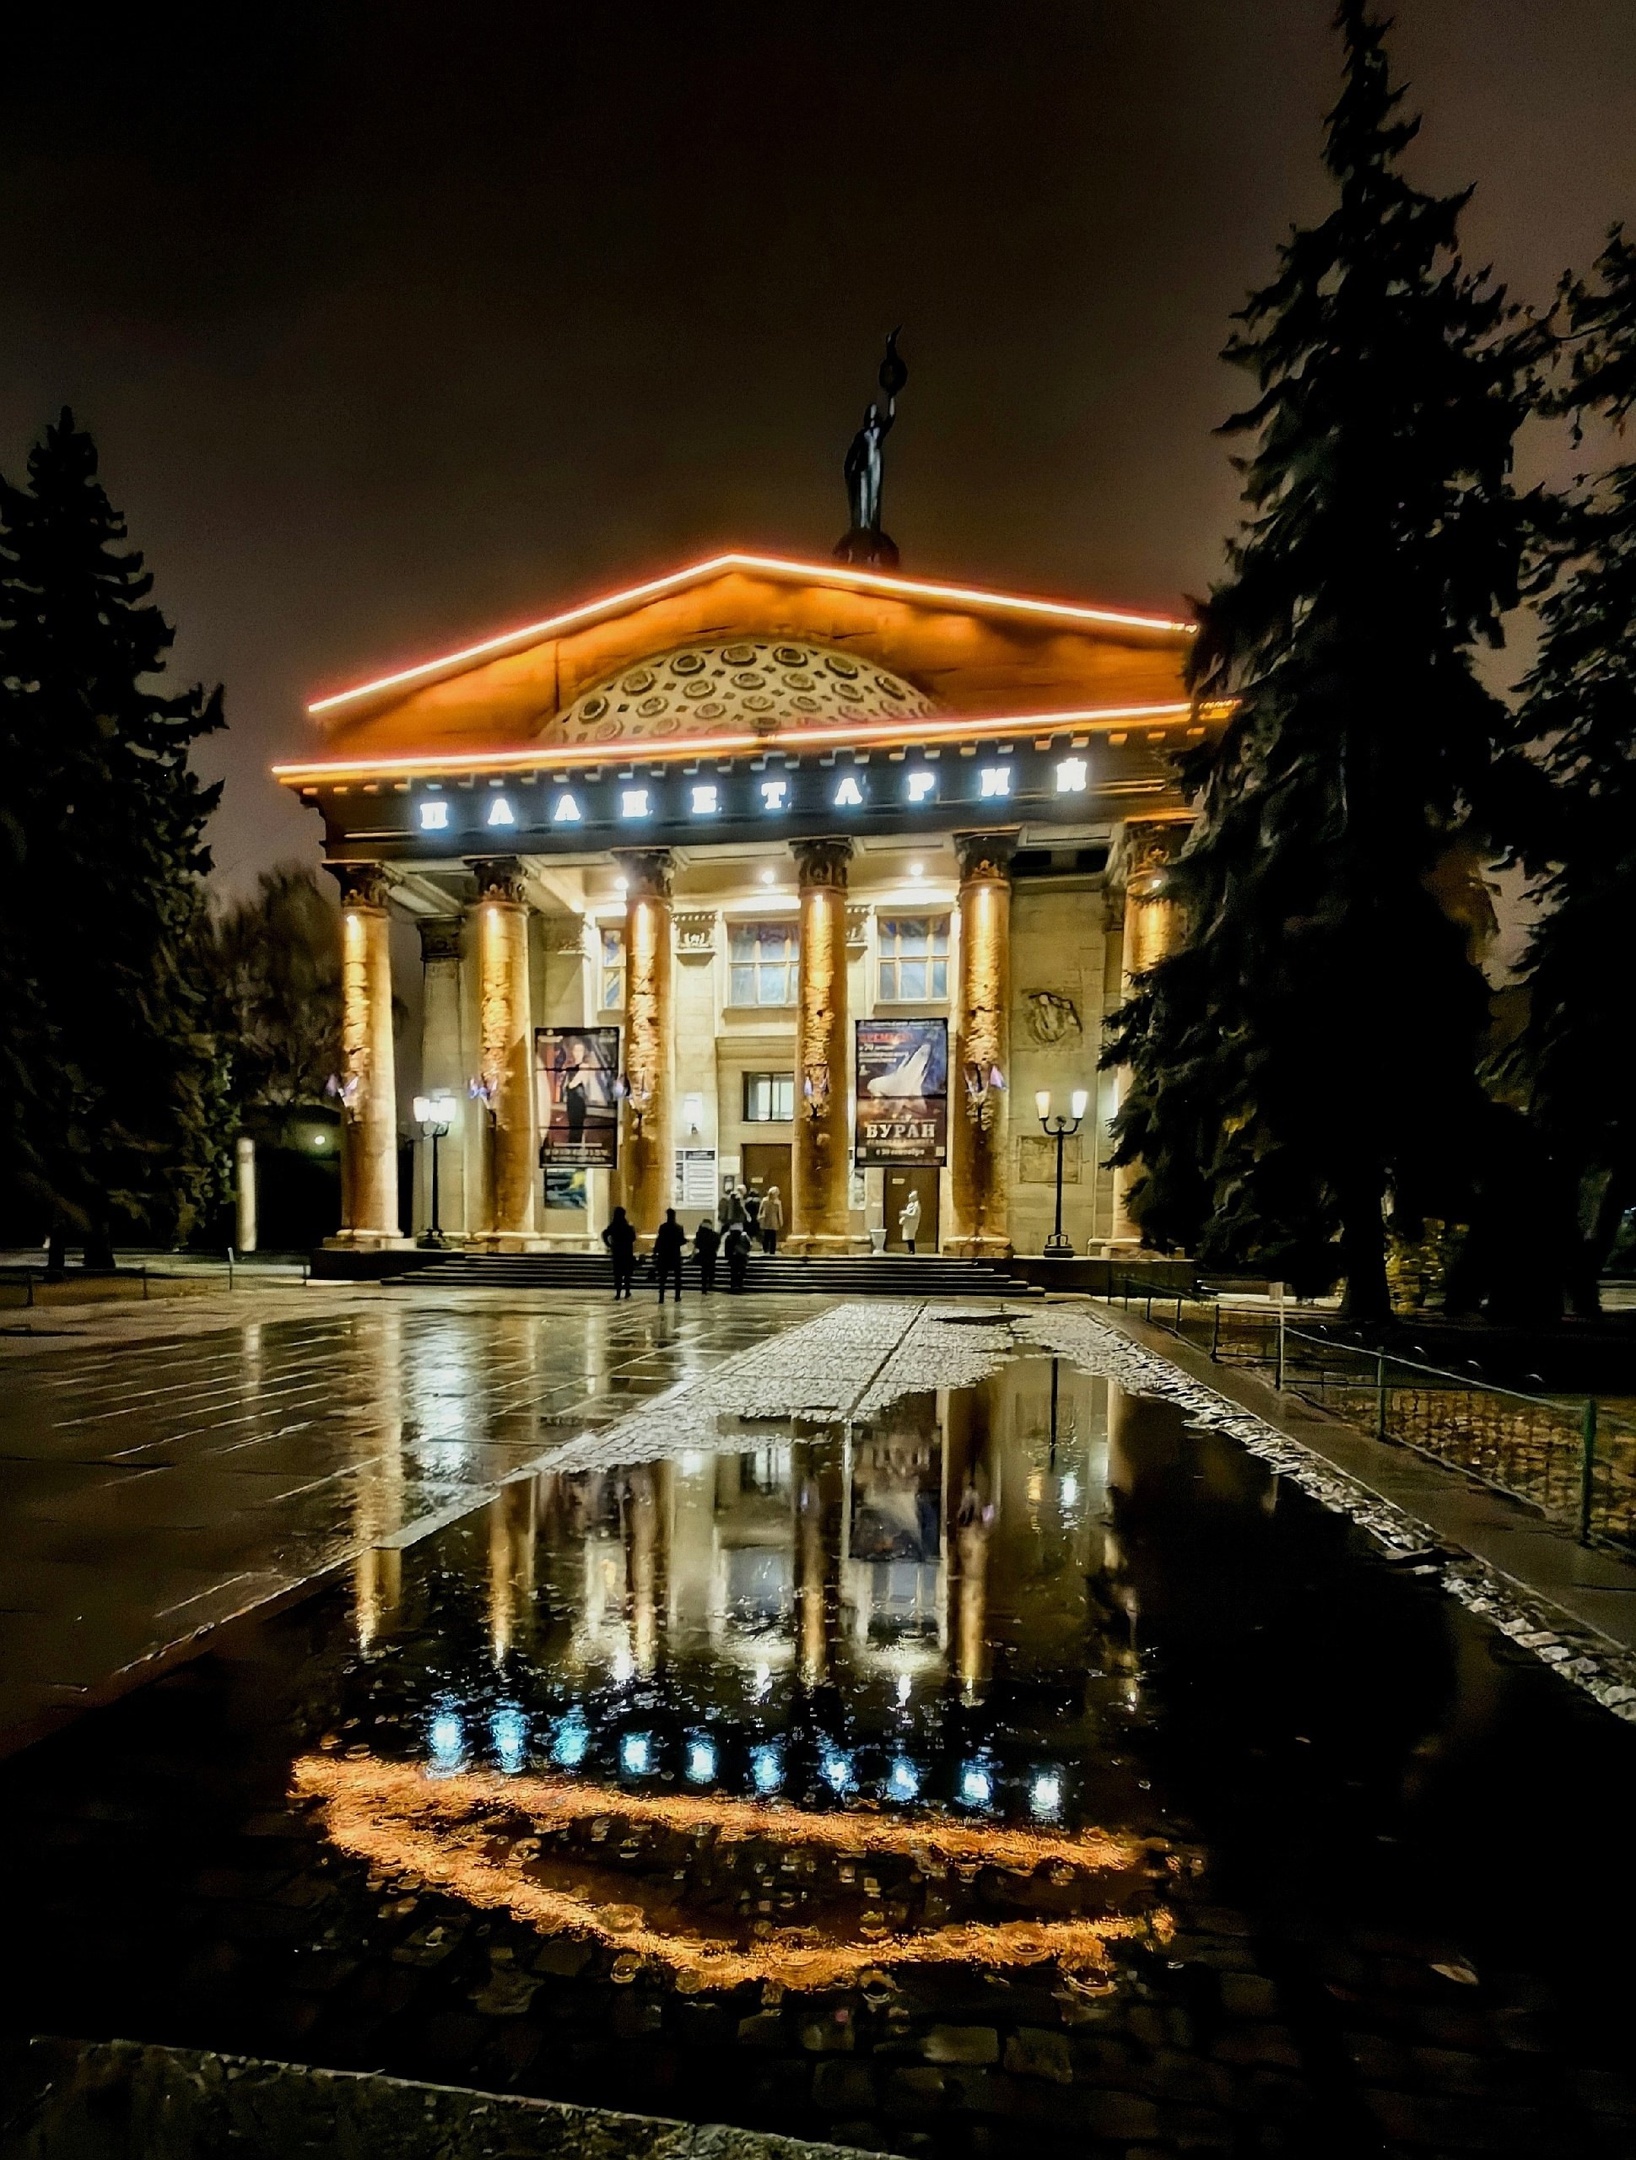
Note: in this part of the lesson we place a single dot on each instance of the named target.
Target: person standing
(909, 1220)
(752, 1211)
(737, 1245)
(706, 1245)
(620, 1239)
(733, 1207)
(668, 1242)
(772, 1220)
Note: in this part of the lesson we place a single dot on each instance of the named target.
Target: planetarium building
(761, 873)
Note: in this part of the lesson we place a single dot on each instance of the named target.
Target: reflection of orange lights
(443, 1829)
(824, 573)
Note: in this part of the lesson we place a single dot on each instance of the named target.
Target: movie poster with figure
(902, 1091)
(578, 1075)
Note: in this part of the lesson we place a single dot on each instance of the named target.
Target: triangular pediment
(635, 664)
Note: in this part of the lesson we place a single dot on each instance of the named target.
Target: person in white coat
(771, 1219)
(909, 1220)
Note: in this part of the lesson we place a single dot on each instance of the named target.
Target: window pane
(940, 977)
(783, 1097)
(743, 989)
(912, 976)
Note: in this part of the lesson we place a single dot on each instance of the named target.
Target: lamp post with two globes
(1060, 1129)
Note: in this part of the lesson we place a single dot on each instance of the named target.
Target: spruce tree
(104, 900)
(1307, 1061)
(1577, 723)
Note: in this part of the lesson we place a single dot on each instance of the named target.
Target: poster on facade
(695, 1185)
(902, 1091)
(577, 1070)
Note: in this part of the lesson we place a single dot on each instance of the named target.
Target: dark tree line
(1314, 1069)
(137, 1027)
(115, 1087)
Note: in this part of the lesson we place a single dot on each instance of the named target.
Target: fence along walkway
(1568, 1456)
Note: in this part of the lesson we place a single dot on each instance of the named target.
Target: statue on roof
(865, 542)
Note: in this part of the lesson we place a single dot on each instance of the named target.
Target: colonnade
(496, 932)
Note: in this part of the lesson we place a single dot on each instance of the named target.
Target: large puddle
(998, 1764)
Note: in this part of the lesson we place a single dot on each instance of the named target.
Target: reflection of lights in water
(570, 1741)
(904, 1781)
(904, 1685)
(1070, 1490)
(701, 1761)
(636, 1754)
(508, 1729)
(836, 1770)
(1036, 1488)
(767, 1768)
(624, 1665)
(1045, 1796)
(447, 1736)
(976, 1786)
(391, 1815)
(761, 1681)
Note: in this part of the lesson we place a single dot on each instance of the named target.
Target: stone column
(506, 1053)
(1140, 867)
(369, 1098)
(443, 1070)
(980, 1062)
(647, 1168)
(820, 1203)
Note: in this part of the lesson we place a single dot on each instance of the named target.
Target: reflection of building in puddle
(724, 1891)
(511, 1566)
(892, 1576)
(378, 1505)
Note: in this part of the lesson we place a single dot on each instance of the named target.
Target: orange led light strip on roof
(830, 573)
(555, 757)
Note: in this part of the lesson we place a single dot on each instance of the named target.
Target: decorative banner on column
(903, 1091)
(579, 1112)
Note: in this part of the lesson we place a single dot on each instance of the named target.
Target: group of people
(747, 1217)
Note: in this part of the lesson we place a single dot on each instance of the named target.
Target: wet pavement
(162, 1471)
(898, 1736)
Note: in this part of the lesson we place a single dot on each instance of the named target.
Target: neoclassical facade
(667, 850)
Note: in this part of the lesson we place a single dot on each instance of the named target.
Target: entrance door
(767, 1162)
(899, 1185)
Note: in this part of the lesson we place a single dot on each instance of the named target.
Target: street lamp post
(1060, 1129)
(434, 1114)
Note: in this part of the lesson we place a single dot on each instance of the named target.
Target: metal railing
(19, 1285)
(1569, 1456)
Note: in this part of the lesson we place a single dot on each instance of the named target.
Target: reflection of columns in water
(645, 1549)
(816, 1479)
(646, 1171)
(1123, 1411)
(369, 1103)
(506, 1050)
(973, 1490)
(377, 1348)
(511, 1565)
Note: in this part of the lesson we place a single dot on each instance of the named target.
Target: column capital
(985, 857)
(646, 871)
(1143, 850)
(499, 877)
(822, 861)
(440, 938)
(363, 884)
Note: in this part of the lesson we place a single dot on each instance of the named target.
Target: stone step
(863, 1275)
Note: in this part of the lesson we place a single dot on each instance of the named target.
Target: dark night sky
(401, 323)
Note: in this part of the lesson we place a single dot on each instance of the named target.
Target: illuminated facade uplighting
(508, 1730)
